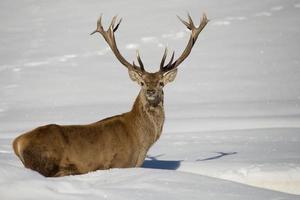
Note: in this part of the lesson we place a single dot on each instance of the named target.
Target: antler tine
(112, 23)
(168, 66)
(118, 24)
(203, 23)
(171, 60)
(162, 63)
(191, 23)
(99, 28)
(185, 23)
(204, 17)
(139, 60)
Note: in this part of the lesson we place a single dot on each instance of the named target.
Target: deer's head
(151, 83)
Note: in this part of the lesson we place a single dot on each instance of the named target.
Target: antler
(195, 31)
(109, 36)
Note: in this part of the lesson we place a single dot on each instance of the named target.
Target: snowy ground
(233, 113)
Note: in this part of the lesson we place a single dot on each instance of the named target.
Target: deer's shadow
(153, 163)
(218, 156)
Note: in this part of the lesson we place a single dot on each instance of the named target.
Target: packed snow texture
(232, 126)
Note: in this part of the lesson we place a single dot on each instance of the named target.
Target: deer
(121, 141)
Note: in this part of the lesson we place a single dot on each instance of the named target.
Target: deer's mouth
(153, 100)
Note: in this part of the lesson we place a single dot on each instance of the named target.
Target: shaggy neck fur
(150, 114)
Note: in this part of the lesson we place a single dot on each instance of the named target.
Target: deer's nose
(151, 92)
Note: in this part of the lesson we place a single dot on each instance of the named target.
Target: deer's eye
(142, 83)
(161, 84)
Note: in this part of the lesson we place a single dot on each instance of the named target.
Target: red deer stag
(120, 141)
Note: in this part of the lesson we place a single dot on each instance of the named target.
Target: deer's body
(117, 142)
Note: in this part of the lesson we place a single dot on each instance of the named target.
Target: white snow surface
(232, 126)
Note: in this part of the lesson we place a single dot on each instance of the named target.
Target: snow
(232, 114)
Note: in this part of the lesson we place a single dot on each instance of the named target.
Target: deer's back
(101, 145)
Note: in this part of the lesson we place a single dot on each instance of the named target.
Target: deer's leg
(141, 159)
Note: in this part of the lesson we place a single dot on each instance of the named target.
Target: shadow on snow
(153, 163)
(220, 155)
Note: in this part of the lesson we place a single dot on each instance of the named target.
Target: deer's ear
(134, 76)
(169, 76)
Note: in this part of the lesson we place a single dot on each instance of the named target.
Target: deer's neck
(148, 118)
